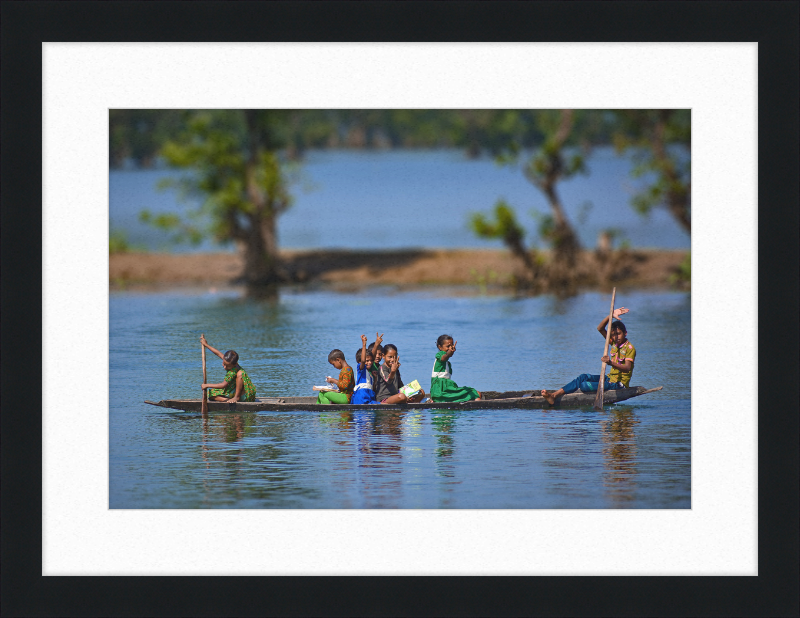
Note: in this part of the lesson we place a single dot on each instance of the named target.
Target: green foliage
(137, 135)
(236, 173)
(659, 143)
(118, 242)
(683, 277)
(503, 225)
(180, 232)
(545, 226)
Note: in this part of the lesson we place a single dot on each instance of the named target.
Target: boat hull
(492, 401)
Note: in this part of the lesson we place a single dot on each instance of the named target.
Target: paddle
(598, 400)
(204, 401)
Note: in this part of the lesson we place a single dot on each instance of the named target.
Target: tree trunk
(261, 243)
(565, 241)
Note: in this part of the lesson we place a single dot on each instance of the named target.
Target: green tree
(545, 167)
(135, 135)
(237, 173)
(660, 143)
(503, 224)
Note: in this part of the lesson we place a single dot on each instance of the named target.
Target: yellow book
(411, 389)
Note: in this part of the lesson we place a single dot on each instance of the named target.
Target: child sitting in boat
(236, 386)
(620, 357)
(389, 382)
(346, 381)
(364, 390)
(443, 389)
(377, 350)
(377, 357)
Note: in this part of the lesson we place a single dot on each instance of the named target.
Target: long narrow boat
(492, 400)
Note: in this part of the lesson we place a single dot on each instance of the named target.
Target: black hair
(231, 357)
(619, 326)
(335, 353)
(442, 338)
(358, 354)
(372, 345)
(387, 346)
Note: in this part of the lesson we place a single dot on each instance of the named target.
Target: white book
(326, 387)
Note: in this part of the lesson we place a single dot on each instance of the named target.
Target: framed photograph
(726, 555)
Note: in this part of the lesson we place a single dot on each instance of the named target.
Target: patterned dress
(229, 390)
(443, 389)
(346, 384)
(618, 355)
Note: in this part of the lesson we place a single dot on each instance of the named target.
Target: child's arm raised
(601, 328)
(363, 362)
(378, 340)
(214, 350)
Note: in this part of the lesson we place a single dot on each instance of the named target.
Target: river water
(633, 455)
(400, 199)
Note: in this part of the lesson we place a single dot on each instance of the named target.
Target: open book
(326, 387)
(411, 389)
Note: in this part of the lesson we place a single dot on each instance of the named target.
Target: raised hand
(620, 311)
(364, 339)
(378, 338)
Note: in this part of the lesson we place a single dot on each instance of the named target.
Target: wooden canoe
(492, 401)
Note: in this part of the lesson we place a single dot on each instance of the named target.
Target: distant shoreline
(347, 269)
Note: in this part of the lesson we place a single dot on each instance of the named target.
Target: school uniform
(364, 391)
(443, 389)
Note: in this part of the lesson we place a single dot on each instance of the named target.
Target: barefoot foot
(549, 397)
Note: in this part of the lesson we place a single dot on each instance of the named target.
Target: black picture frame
(773, 25)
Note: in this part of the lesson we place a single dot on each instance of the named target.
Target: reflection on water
(619, 455)
(444, 422)
(635, 455)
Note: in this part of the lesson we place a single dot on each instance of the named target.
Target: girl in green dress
(236, 386)
(443, 389)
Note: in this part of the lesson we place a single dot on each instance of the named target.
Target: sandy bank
(341, 268)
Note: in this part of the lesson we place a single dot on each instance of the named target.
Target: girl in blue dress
(364, 390)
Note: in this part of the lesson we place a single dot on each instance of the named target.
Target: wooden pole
(204, 401)
(598, 400)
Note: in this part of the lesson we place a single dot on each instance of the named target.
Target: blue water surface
(633, 455)
(389, 200)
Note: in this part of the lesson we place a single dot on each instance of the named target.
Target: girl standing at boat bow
(443, 389)
(236, 385)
